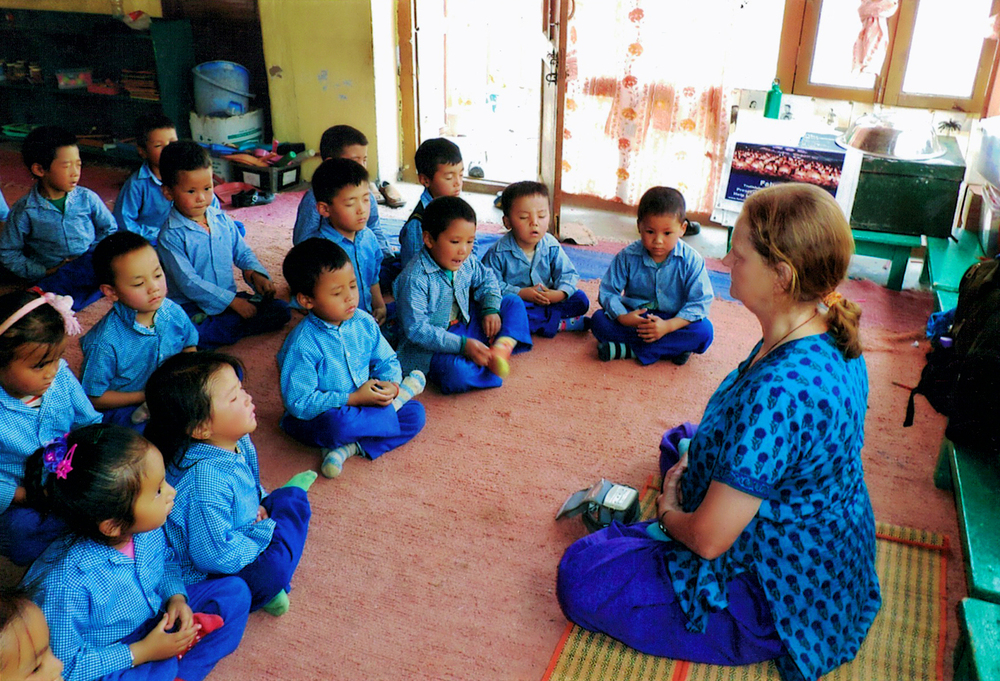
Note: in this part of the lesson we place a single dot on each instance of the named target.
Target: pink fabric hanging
(873, 40)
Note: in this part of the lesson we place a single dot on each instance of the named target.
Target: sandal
(393, 198)
(251, 197)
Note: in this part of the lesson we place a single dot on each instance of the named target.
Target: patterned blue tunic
(789, 430)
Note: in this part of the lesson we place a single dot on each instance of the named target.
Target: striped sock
(333, 459)
(410, 387)
(573, 324)
(609, 351)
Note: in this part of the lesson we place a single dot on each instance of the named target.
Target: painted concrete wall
(321, 72)
(151, 7)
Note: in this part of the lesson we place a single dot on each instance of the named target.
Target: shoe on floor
(376, 191)
(681, 359)
(251, 197)
(692, 228)
(393, 198)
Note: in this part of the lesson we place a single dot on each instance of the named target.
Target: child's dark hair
(43, 325)
(42, 144)
(13, 599)
(335, 139)
(435, 152)
(519, 190)
(309, 259)
(103, 483)
(180, 156)
(334, 174)
(178, 400)
(114, 246)
(444, 210)
(147, 123)
(662, 201)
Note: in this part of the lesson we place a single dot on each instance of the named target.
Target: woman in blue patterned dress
(764, 547)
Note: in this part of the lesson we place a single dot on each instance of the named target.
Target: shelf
(73, 92)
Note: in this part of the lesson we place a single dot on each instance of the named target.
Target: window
(938, 54)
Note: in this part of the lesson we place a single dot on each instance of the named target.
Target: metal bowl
(890, 136)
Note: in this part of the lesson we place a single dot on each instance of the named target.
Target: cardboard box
(222, 168)
(269, 179)
(232, 130)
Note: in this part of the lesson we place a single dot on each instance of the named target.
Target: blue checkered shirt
(24, 429)
(141, 206)
(93, 596)
(424, 297)
(4, 208)
(199, 265)
(323, 363)
(678, 287)
(308, 222)
(549, 266)
(119, 353)
(411, 236)
(213, 527)
(39, 236)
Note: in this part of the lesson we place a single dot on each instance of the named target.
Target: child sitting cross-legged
(198, 246)
(457, 327)
(340, 379)
(111, 590)
(224, 523)
(142, 329)
(656, 291)
(529, 262)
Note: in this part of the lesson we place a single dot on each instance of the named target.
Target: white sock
(410, 387)
(333, 459)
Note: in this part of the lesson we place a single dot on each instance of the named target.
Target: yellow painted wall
(151, 7)
(320, 69)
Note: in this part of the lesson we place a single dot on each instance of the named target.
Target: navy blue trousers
(272, 570)
(544, 319)
(227, 327)
(77, 279)
(458, 373)
(612, 582)
(695, 337)
(122, 416)
(228, 598)
(376, 429)
(25, 533)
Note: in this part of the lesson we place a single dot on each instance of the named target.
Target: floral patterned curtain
(646, 102)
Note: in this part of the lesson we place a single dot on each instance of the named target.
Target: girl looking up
(111, 589)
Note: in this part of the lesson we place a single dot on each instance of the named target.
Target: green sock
(278, 605)
(303, 480)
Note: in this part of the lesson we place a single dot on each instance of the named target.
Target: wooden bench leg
(900, 257)
(942, 471)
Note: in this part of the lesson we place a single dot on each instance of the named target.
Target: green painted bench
(890, 246)
(977, 655)
(946, 262)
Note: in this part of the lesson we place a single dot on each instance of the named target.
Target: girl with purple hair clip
(40, 400)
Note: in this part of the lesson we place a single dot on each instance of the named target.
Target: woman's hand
(670, 498)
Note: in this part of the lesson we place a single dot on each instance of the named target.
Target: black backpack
(962, 379)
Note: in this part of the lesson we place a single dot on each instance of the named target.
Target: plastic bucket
(220, 87)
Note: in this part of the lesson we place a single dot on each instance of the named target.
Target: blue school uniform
(426, 296)
(550, 267)
(141, 206)
(199, 269)
(321, 365)
(119, 353)
(677, 287)
(4, 208)
(213, 527)
(411, 236)
(308, 222)
(97, 600)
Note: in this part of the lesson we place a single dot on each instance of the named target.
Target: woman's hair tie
(57, 457)
(62, 304)
(829, 300)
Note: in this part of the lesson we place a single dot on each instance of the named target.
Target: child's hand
(179, 613)
(261, 284)
(379, 313)
(531, 294)
(653, 329)
(477, 351)
(161, 645)
(372, 393)
(554, 295)
(262, 514)
(491, 326)
(633, 318)
(243, 307)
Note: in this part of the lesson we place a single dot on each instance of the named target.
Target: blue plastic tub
(221, 88)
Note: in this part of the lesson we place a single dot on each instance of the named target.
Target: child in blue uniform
(340, 379)
(341, 189)
(111, 590)
(224, 522)
(457, 327)
(142, 329)
(141, 206)
(199, 245)
(440, 170)
(25, 653)
(40, 399)
(656, 291)
(530, 263)
(51, 231)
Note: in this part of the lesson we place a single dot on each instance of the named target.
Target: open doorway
(479, 83)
